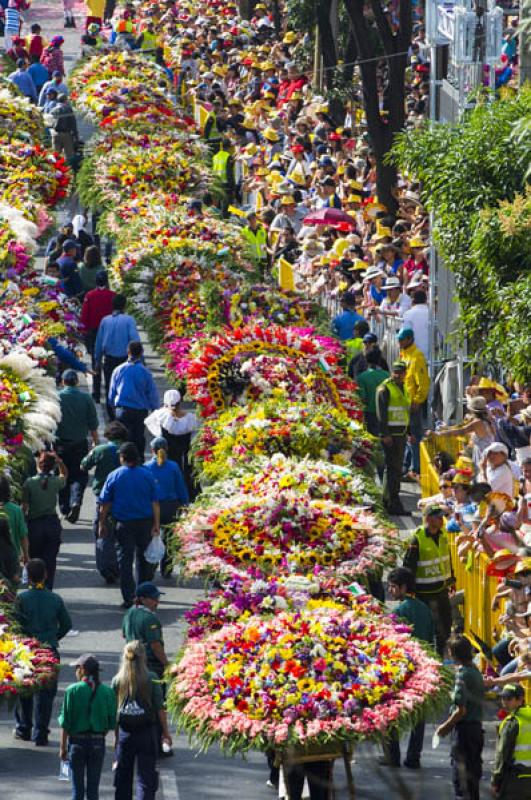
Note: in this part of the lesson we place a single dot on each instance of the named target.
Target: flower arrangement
(112, 66)
(266, 304)
(294, 429)
(283, 533)
(306, 678)
(30, 170)
(255, 362)
(17, 116)
(241, 597)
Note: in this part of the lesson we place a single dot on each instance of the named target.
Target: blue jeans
(416, 428)
(43, 704)
(142, 747)
(133, 536)
(86, 754)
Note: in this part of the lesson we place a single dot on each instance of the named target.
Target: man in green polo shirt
(104, 458)
(368, 382)
(16, 521)
(464, 722)
(41, 614)
(78, 418)
(142, 623)
(401, 586)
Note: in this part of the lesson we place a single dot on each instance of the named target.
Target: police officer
(78, 418)
(223, 166)
(511, 777)
(141, 623)
(41, 614)
(428, 558)
(392, 411)
(256, 237)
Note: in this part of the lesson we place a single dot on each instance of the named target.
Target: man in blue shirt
(38, 73)
(55, 83)
(67, 263)
(343, 324)
(23, 81)
(130, 495)
(115, 333)
(133, 394)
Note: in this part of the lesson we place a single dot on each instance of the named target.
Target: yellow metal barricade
(482, 624)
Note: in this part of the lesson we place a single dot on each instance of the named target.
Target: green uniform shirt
(78, 415)
(41, 501)
(468, 691)
(17, 524)
(368, 381)
(419, 615)
(104, 459)
(142, 624)
(42, 614)
(80, 714)
(157, 697)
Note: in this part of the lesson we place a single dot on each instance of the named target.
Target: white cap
(172, 398)
(496, 447)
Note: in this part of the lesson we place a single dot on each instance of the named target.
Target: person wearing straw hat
(511, 776)
(416, 261)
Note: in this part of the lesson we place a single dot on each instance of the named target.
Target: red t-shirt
(96, 305)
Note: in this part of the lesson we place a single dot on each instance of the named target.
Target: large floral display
(290, 648)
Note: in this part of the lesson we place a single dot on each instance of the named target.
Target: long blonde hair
(132, 679)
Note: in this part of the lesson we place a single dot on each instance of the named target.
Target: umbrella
(328, 216)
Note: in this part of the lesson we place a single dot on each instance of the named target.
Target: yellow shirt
(96, 8)
(417, 382)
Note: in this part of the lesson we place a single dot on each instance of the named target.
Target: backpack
(133, 716)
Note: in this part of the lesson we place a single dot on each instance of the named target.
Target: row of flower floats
(32, 309)
(289, 649)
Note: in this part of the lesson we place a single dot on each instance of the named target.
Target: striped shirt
(12, 21)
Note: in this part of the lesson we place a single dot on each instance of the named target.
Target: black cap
(88, 661)
(434, 511)
(513, 691)
(148, 589)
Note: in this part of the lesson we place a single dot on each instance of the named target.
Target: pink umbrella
(328, 216)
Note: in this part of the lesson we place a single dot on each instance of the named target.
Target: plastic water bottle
(64, 771)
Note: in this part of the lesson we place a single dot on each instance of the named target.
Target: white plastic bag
(155, 550)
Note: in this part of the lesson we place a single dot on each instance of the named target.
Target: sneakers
(23, 737)
(42, 741)
(73, 514)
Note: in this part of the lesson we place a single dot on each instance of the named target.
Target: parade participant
(39, 501)
(55, 82)
(401, 586)
(97, 304)
(42, 614)
(64, 131)
(90, 267)
(38, 73)
(142, 623)
(133, 394)
(67, 262)
(104, 458)
(256, 237)
(79, 418)
(36, 42)
(83, 239)
(428, 558)
(171, 490)
(140, 705)
(87, 715)
(23, 80)
(15, 518)
(464, 722)
(392, 412)
(417, 386)
(223, 167)
(511, 776)
(52, 57)
(13, 24)
(114, 334)
(9, 561)
(368, 382)
(68, 10)
(176, 426)
(130, 495)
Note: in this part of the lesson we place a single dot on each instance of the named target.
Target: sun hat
(287, 200)
(496, 447)
(477, 404)
(417, 242)
(523, 566)
(391, 282)
(271, 135)
(373, 272)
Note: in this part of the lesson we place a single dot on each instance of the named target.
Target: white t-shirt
(418, 318)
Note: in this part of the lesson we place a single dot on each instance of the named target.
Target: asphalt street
(30, 773)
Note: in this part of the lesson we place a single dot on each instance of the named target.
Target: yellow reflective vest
(257, 241)
(434, 567)
(149, 41)
(398, 408)
(522, 747)
(219, 165)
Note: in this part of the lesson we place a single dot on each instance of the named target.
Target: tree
(473, 177)
(384, 101)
